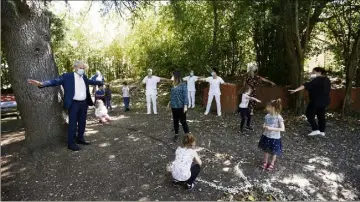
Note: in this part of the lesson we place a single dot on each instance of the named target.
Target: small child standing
(101, 112)
(108, 97)
(270, 141)
(126, 96)
(186, 166)
(100, 94)
(244, 109)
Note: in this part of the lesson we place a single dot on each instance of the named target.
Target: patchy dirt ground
(127, 161)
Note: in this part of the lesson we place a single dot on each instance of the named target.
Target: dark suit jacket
(67, 80)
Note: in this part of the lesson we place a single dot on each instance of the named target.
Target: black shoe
(189, 186)
(83, 142)
(176, 138)
(249, 128)
(74, 148)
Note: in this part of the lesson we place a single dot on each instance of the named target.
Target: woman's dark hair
(215, 70)
(188, 140)
(177, 77)
(320, 70)
(101, 85)
(125, 83)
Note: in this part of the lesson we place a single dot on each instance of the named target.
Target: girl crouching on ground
(186, 166)
(101, 112)
(270, 141)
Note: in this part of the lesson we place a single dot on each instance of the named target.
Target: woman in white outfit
(151, 90)
(191, 88)
(214, 91)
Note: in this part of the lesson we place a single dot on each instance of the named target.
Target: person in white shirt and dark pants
(214, 91)
(191, 88)
(244, 108)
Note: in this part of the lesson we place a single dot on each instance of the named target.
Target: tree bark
(26, 36)
(215, 30)
(350, 72)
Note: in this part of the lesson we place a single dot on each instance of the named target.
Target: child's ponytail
(277, 104)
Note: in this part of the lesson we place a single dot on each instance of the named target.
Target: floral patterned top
(180, 168)
(179, 96)
(253, 81)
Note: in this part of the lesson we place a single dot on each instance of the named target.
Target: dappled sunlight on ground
(12, 138)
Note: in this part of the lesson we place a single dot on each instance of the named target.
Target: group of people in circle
(187, 164)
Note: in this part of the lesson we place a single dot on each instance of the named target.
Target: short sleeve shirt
(274, 122)
(215, 85)
(151, 84)
(181, 166)
(244, 101)
(125, 91)
(191, 82)
(319, 91)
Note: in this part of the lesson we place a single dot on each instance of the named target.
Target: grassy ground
(127, 160)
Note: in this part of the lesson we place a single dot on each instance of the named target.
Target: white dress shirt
(80, 88)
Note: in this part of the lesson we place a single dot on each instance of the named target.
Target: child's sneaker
(189, 186)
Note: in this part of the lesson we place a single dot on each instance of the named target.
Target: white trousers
(151, 98)
(218, 104)
(191, 98)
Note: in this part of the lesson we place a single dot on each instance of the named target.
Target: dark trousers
(245, 114)
(108, 103)
(195, 170)
(77, 121)
(126, 102)
(179, 115)
(319, 112)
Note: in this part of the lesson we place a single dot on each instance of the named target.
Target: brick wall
(230, 98)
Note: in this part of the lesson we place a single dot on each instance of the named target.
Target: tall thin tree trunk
(350, 73)
(26, 36)
(215, 61)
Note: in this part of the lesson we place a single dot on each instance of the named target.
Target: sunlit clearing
(106, 144)
(321, 160)
(329, 177)
(309, 168)
(119, 117)
(193, 121)
(7, 139)
(91, 131)
(238, 172)
(298, 180)
(227, 162)
(226, 169)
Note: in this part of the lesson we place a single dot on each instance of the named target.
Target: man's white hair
(77, 63)
(251, 67)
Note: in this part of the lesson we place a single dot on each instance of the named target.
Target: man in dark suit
(76, 100)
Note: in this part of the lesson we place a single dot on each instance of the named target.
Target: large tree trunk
(215, 61)
(26, 37)
(351, 66)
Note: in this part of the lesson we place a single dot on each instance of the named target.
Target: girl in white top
(244, 108)
(191, 88)
(214, 91)
(126, 96)
(186, 166)
(101, 112)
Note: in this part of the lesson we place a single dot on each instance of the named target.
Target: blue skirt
(271, 146)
